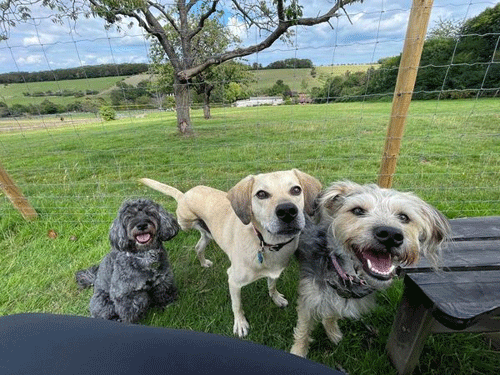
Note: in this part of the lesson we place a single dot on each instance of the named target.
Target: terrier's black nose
(389, 236)
(287, 212)
(142, 226)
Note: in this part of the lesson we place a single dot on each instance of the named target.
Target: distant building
(259, 100)
(305, 99)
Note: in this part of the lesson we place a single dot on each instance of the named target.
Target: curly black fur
(316, 249)
(135, 275)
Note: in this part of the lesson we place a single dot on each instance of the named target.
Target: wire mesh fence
(331, 121)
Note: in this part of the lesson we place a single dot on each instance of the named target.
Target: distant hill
(302, 79)
(89, 71)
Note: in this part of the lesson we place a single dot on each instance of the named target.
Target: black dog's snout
(142, 225)
(389, 236)
(287, 212)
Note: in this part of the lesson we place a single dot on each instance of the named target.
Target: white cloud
(237, 28)
(39, 39)
(30, 60)
(64, 63)
(104, 60)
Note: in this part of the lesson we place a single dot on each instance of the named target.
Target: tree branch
(281, 12)
(167, 16)
(282, 27)
(203, 18)
(239, 52)
(191, 4)
(158, 32)
(249, 20)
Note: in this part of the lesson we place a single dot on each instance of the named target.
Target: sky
(373, 30)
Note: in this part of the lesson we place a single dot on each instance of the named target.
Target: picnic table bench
(463, 296)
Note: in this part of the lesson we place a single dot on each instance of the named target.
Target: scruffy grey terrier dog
(135, 275)
(362, 234)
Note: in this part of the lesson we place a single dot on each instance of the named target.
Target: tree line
(292, 63)
(89, 71)
(116, 70)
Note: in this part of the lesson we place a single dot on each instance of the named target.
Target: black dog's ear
(118, 235)
(169, 226)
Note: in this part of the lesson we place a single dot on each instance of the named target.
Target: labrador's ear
(240, 197)
(311, 188)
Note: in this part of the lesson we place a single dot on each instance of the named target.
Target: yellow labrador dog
(257, 224)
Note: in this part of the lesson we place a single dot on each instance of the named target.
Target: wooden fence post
(16, 197)
(407, 74)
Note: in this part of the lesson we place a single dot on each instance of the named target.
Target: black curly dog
(135, 275)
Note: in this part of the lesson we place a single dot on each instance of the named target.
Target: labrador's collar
(264, 245)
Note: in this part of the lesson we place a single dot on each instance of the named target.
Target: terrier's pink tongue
(380, 262)
(143, 238)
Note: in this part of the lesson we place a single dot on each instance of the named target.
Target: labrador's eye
(296, 190)
(261, 194)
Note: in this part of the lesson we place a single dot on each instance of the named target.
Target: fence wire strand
(76, 167)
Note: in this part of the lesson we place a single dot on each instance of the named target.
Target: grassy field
(13, 93)
(77, 176)
(301, 80)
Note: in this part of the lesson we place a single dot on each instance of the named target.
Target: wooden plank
(405, 83)
(463, 255)
(16, 197)
(460, 296)
(411, 326)
(472, 255)
(480, 325)
(475, 228)
(494, 340)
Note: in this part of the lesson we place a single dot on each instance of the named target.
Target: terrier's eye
(358, 211)
(261, 194)
(403, 218)
(296, 190)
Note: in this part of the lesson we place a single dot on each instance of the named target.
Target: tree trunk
(182, 106)
(206, 103)
(206, 110)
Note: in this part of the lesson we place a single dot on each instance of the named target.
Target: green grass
(77, 176)
(13, 93)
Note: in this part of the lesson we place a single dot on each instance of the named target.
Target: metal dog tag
(260, 256)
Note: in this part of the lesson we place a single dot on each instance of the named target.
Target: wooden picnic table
(464, 296)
